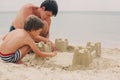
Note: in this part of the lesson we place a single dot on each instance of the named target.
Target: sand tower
(44, 47)
(61, 45)
(94, 48)
(81, 57)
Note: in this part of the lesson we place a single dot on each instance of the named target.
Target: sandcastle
(81, 57)
(61, 45)
(84, 56)
(44, 47)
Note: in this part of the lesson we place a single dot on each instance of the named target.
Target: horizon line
(71, 11)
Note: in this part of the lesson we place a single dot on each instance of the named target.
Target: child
(17, 43)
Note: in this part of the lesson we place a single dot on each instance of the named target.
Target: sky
(66, 5)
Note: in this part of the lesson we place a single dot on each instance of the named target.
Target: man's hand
(53, 46)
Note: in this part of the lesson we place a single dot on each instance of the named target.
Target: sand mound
(107, 67)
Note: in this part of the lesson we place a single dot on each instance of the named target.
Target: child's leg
(24, 50)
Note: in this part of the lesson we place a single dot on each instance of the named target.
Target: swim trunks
(13, 58)
(11, 28)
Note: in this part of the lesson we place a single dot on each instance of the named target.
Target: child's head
(33, 23)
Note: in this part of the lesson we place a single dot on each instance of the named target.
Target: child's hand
(54, 53)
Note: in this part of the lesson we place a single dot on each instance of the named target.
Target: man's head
(50, 5)
(48, 9)
(33, 23)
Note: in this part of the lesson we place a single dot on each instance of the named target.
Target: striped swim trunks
(13, 58)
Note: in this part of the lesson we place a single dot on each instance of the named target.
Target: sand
(60, 67)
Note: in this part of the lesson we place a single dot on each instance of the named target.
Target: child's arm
(40, 38)
(36, 50)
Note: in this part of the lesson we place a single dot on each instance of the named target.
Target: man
(47, 9)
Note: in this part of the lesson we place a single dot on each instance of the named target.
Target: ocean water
(79, 27)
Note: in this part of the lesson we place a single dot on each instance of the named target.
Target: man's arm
(44, 36)
(46, 30)
(48, 20)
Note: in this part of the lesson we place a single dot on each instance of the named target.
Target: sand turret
(94, 48)
(81, 57)
(61, 45)
(44, 47)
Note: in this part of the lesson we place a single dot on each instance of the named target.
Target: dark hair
(50, 5)
(33, 23)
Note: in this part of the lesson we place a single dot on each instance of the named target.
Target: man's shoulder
(29, 5)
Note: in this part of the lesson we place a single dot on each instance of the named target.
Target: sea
(78, 27)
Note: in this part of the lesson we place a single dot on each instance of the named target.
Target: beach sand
(60, 67)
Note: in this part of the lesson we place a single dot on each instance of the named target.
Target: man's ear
(43, 8)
